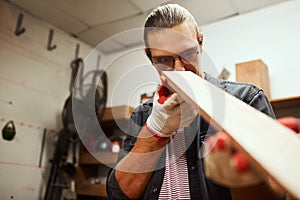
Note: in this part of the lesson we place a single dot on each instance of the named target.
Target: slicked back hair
(167, 16)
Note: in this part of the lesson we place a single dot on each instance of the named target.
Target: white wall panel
(34, 84)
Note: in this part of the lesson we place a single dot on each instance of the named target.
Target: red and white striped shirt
(176, 182)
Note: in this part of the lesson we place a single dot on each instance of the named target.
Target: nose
(178, 65)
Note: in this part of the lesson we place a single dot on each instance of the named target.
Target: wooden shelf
(117, 113)
(114, 124)
(98, 158)
(116, 118)
(98, 190)
(286, 102)
(286, 106)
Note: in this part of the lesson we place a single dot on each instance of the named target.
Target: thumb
(163, 80)
(171, 101)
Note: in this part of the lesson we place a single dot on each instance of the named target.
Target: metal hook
(77, 51)
(50, 47)
(98, 61)
(19, 29)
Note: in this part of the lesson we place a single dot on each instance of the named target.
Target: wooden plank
(273, 148)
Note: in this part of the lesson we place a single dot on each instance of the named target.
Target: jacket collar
(213, 80)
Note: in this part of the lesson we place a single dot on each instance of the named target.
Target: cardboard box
(254, 72)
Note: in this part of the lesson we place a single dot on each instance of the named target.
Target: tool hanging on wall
(9, 131)
(97, 91)
(6, 101)
(77, 51)
(51, 46)
(56, 182)
(42, 147)
(19, 29)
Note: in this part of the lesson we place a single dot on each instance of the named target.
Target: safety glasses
(166, 63)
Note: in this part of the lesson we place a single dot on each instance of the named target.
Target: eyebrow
(189, 49)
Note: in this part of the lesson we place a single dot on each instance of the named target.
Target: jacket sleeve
(137, 120)
(261, 103)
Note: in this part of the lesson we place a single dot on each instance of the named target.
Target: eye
(189, 53)
(164, 59)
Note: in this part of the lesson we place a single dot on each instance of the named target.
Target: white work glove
(225, 166)
(169, 113)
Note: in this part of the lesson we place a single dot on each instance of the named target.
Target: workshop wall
(34, 83)
(270, 34)
(130, 75)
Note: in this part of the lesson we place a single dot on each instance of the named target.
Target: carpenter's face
(175, 48)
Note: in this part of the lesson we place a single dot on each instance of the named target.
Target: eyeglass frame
(180, 56)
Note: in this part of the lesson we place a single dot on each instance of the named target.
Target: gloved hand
(225, 165)
(169, 113)
(291, 122)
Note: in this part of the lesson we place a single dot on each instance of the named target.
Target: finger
(216, 162)
(219, 142)
(290, 122)
(171, 102)
(163, 80)
(180, 100)
(239, 162)
(208, 146)
(185, 107)
(187, 118)
(186, 111)
(223, 142)
(163, 94)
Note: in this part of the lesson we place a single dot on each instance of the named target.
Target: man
(161, 156)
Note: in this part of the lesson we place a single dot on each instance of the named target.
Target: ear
(200, 38)
(148, 53)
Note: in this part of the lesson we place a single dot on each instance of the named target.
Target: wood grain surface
(272, 148)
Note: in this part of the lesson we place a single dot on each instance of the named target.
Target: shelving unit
(286, 106)
(114, 121)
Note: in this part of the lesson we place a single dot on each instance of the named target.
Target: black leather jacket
(200, 187)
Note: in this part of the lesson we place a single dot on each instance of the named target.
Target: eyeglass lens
(167, 63)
